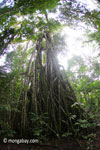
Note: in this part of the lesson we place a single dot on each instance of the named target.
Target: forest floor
(63, 144)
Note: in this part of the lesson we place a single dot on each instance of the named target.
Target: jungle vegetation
(38, 98)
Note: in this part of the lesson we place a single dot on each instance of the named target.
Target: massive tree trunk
(49, 91)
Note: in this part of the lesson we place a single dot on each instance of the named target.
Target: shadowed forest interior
(50, 73)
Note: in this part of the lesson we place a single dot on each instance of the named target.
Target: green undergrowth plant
(90, 138)
(40, 128)
(84, 126)
(86, 130)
